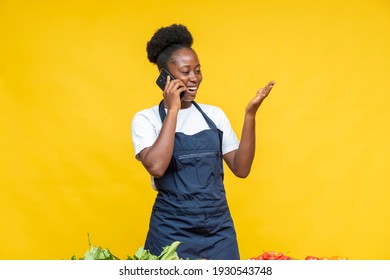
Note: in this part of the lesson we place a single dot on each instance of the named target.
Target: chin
(188, 98)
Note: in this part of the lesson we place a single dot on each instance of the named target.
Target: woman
(182, 145)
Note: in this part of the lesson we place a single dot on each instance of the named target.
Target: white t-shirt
(146, 126)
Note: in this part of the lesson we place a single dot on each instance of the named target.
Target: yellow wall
(73, 73)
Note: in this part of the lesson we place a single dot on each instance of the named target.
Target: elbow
(156, 170)
(156, 174)
(242, 173)
(155, 165)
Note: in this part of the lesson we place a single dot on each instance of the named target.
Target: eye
(185, 72)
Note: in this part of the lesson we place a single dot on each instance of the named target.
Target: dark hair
(166, 41)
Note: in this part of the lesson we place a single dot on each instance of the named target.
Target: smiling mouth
(192, 89)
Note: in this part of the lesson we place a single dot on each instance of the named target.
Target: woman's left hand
(261, 94)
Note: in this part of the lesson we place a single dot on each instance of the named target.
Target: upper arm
(229, 159)
(144, 133)
(141, 155)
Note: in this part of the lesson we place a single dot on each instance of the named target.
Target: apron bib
(191, 204)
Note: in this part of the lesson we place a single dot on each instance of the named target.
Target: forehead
(184, 57)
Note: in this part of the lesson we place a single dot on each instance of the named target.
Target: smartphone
(162, 80)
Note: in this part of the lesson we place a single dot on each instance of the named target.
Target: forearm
(240, 161)
(157, 158)
(245, 153)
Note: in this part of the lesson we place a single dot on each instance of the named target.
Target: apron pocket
(199, 173)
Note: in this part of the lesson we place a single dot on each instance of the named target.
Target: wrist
(171, 107)
(250, 115)
(173, 112)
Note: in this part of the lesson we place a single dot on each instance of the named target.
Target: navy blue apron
(191, 205)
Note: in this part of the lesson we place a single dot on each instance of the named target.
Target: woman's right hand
(171, 94)
(156, 158)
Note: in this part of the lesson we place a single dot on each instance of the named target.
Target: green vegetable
(168, 253)
(96, 253)
(143, 254)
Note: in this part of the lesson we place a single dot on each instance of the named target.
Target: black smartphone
(162, 80)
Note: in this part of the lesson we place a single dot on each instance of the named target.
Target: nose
(193, 77)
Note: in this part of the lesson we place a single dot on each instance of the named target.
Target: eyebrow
(187, 65)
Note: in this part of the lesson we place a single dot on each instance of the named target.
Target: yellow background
(73, 74)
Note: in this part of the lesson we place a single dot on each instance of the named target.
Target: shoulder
(211, 109)
(148, 111)
(217, 115)
(150, 114)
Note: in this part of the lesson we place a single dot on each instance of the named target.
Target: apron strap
(161, 111)
(209, 122)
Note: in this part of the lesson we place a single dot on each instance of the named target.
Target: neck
(184, 104)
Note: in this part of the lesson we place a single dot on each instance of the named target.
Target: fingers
(265, 91)
(269, 86)
(174, 86)
(167, 83)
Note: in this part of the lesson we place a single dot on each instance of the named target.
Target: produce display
(324, 258)
(98, 253)
(270, 255)
(169, 253)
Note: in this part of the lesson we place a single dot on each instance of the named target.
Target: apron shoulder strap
(161, 110)
(208, 120)
(162, 113)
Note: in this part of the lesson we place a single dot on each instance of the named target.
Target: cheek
(184, 79)
(179, 76)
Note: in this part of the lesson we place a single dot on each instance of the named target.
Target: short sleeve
(144, 130)
(230, 141)
(218, 116)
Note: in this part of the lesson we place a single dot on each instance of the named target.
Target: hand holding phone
(162, 80)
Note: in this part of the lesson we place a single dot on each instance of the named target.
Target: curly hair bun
(175, 34)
